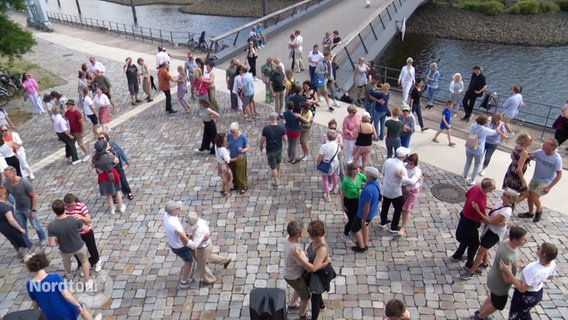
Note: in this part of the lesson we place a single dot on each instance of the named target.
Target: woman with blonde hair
(223, 158)
(520, 159)
(360, 78)
(199, 86)
(456, 89)
(365, 135)
(182, 88)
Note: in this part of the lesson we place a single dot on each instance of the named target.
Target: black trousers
(468, 237)
(168, 100)
(468, 103)
(13, 161)
(561, 135)
(351, 207)
(234, 102)
(89, 240)
(397, 204)
(124, 186)
(209, 133)
(70, 150)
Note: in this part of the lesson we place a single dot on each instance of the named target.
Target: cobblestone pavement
(141, 273)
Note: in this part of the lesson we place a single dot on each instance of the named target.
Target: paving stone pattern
(249, 228)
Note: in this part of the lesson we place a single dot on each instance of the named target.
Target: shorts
(184, 253)
(536, 187)
(356, 224)
(78, 137)
(305, 134)
(300, 286)
(488, 240)
(133, 88)
(274, 159)
(361, 151)
(499, 302)
(82, 255)
(247, 100)
(93, 118)
(505, 119)
(324, 88)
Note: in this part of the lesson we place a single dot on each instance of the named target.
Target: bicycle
(200, 44)
(9, 88)
(4, 98)
(11, 82)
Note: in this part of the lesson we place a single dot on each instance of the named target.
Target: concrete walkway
(140, 272)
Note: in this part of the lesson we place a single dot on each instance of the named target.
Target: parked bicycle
(4, 98)
(200, 44)
(11, 82)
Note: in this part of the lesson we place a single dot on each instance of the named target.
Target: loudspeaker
(32, 314)
(268, 304)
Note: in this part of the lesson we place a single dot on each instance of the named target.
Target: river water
(165, 17)
(540, 70)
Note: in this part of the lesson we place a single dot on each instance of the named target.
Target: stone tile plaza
(140, 273)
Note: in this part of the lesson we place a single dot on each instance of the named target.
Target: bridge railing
(358, 43)
(536, 114)
(236, 38)
(154, 35)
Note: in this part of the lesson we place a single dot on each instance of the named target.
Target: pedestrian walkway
(141, 273)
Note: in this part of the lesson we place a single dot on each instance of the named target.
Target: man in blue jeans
(177, 239)
(26, 201)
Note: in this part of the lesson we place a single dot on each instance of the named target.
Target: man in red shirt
(76, 127)
(467, 233)
(164, 79)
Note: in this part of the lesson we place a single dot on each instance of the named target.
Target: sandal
(130, 196)
(292, 307)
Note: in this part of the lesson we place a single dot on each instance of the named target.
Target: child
(396, 310)
(223, 159)
(456, 89)
(445, 124)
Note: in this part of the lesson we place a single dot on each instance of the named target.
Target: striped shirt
(81, 209)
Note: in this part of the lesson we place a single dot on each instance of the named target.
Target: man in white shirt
(95, 65)
(393, 171)
(314, 58)
(202, 247)
(177, 239)
(161, 57)
(298, 50)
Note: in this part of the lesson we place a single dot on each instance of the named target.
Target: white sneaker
(122, 208)
(27, 257)
(335, 190)
(470, 182)
(326, 197)
(32, 176)
(42, 245)
(68, 160)
(482, 172)
(86, 158)
(112, 211)
(76, 162)
(343, 237)
(306, 158)
(98, 316)
(98, 266)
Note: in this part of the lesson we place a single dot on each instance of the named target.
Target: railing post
(388, 12)
(151, 37)
(161, 39)
(133, 34)
(125, 33)
(349, 57)
(362, 43)
(172, 38)
(373, 31)
(236, 37)
(382, 22)
(395, 9)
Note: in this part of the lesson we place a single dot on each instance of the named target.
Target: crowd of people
(343, 160)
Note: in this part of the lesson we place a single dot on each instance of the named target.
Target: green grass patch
(241, 8)
(44, 78)
(491, 8)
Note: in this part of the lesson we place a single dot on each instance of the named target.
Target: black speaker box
(268, 304)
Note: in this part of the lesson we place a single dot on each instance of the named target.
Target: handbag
(325, 166)
(472, 141)
(320, 81)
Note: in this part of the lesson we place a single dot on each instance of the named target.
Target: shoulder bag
(325, 166)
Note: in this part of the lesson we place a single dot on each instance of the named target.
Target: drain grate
(448, 193)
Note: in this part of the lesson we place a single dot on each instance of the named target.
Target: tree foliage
(14, 41)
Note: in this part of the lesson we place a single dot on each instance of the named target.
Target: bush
(563, 4)
(491, 8)
(526, 7)
(547, 6)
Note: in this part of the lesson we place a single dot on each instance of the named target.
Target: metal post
(264, 7)
(78, 6)
(395, 9)
(133, 34)
(362, 43)
(390, 17)
(382, 22)
(134, 12)
(172, 38)
(373, 31)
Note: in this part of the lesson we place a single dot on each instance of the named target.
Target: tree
(14, 41)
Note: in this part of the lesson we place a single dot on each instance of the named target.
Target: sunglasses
(101, 138)
(5, 130)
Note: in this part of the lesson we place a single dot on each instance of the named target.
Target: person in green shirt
(350, 190)
(267, 69)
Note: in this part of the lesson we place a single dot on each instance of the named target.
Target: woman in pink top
(349, 128)
(32, 90)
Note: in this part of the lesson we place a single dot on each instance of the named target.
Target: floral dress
(512, 179)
